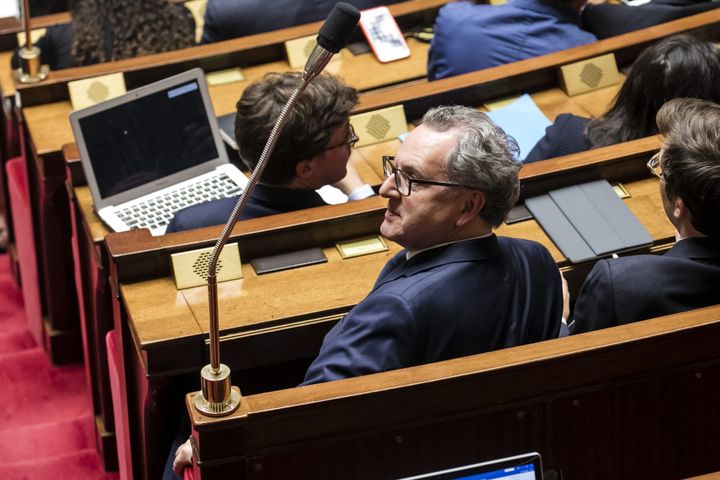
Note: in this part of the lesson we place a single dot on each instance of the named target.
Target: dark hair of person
(690, 159)
(322, 108)
(678, 66)
(131, 28)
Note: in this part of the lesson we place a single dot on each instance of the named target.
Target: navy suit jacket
(471, 37)
(565, 136)
(625, 290)
(226, 19)
(264, 200)
(464, 298)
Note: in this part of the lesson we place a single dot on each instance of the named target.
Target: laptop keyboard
(157, 211)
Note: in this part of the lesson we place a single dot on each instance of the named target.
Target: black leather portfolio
(284, 261)
(588, 221)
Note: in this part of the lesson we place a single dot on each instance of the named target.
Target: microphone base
(31, 71)
(218, 397)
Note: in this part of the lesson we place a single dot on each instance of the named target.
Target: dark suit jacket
(607, 20)
(226, 19)
(264, 200)
(625, 290)
(54, 48)
(465, 298)
(471, 37)
(565, 136)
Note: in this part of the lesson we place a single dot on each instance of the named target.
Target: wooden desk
(552, 101)
(92, 260)
(264, 322)
(636, 401)
(242, 52)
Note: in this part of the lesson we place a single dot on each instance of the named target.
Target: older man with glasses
(456, 289)
(625, 290)
(312, 151)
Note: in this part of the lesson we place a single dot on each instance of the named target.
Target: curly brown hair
(323, 107)
(129, 28)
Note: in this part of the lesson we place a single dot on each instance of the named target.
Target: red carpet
(46, 428)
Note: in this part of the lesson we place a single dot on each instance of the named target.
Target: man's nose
(388, 188)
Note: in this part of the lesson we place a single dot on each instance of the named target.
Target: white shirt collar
(409, 254)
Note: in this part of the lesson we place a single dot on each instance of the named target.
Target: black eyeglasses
(350, 139)
(404, 182)
(654, 165)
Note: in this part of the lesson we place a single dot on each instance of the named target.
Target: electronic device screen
(148, 138)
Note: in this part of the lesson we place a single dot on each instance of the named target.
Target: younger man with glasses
(312, 151)
(457, 289)
(624, 290)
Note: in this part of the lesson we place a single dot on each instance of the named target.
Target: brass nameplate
(298, 51)
(190, 268)
(221, 77)
(91, 91)
(621, 191)
(35, 35)
(379, 125)
(590, 74)
(361, 246)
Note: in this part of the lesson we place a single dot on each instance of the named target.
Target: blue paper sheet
(522, 120)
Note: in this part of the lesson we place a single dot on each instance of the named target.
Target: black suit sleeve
(607, 20)
(595, 306)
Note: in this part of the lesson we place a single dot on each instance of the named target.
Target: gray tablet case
(588, 221)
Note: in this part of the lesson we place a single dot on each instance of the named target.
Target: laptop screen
(522, 467)
(521, 472)
(148, 138)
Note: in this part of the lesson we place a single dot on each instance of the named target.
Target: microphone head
(339, 25)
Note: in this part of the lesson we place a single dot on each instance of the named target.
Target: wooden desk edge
(516, 357)
(202, 51)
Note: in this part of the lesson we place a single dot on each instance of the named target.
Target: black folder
(588, 221)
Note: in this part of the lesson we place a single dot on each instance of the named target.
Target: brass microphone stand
(218, 397)
(30, 71)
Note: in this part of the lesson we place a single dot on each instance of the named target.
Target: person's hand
(566, 298)
(351, 181)
(183, 458)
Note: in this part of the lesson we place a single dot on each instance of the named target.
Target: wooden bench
(635, 401)
(269, 327)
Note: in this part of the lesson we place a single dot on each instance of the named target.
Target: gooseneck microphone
(219, 398)
(334, 35)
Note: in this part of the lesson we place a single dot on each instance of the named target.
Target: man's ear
(304, 169)
(679, 208)
(474, 202)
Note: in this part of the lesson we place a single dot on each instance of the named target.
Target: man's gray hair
(483, 159)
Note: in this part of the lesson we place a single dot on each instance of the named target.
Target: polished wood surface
(49, 123)
(635, 401)
(158, 312)
(240, 52)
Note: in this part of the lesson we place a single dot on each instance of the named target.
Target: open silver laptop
(521, 467)
(154, 151)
